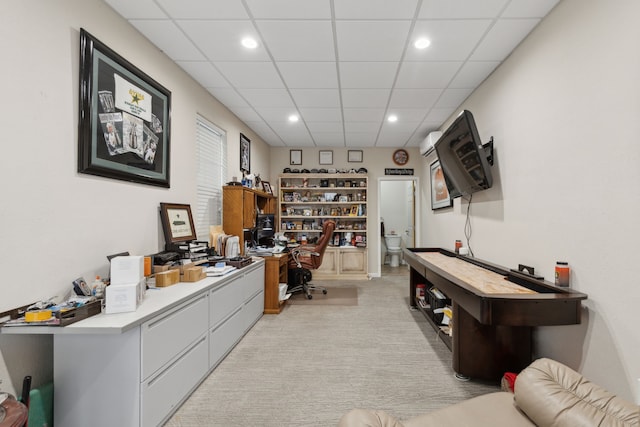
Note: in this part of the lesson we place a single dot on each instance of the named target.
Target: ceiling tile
(408, 114)
(371, 40)
(251, 74)
(329, 139)
(505, 35)
(320, 98)
(204, 73)
(227, 36)
(461, 9)
(393, 139)
(309, 74)
(246, 114)
(367, 74)
(289, 9)
(364, 114)
(228, 97)
(268, 98)
(439, 115)
(360, 139)
(365, 98)
(451, 98)
(141, 9)
(198, 9)
(335, 127)
(400, 126)
(263, 130)
(450, 40)
(375, 9)
(414, 98)
(528, 8)
(298, 40)
(277, 114)
(473, 73)
(169, 39)
(426, 75)
(321, 114)
(351, 127)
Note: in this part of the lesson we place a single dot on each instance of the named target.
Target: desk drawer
(168, 334)
(162, 393)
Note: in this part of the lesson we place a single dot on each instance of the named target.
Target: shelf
(320, 231)
(428, 314)
(323, 216)
(327, 189)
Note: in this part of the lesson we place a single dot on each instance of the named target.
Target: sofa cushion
(493, 409)
(552, 394)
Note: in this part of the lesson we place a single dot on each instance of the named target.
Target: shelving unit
(307, 200)
(239, 208)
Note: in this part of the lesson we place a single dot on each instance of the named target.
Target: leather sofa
(546, 393)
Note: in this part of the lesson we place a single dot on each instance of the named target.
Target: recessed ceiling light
(422, 43)
(294, 118)
(249, 43)
(392, 118)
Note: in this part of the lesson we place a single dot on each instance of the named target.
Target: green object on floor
(41, 406)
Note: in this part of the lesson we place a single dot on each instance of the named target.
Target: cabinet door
(329, 262)
(353, 261)
(249, 210)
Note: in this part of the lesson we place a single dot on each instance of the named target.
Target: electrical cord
(467, 225)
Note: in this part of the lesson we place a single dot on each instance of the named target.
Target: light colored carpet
(347, 295)
(309, 365)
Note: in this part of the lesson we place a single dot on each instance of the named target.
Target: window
(211, 149)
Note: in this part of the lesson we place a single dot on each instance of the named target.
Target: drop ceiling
(342, 66)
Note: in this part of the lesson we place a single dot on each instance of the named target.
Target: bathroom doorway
(397, 210)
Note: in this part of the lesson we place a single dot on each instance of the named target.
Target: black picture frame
(295, 157)
(440, 197)
(177, 223)
(325, 157)
(124, 126)
(245, 154)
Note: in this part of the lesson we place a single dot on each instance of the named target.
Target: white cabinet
(136, 369)
(307, 200)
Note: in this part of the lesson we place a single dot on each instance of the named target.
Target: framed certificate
(326, 157)
(177, 223)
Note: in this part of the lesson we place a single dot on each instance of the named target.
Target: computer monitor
(265, 229)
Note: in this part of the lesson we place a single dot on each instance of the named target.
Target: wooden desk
(275, 272)
(494, 310)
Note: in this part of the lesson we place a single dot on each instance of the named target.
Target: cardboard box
(193, 274)
(167, 278)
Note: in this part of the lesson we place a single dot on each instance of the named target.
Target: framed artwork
(266, 186)
(400, 157)
(354, 156)
(245, 154)
(177, 223)
(326, 157)
(124, 123)
(439, 193)
(295, 157)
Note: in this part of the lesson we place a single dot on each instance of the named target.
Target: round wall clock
(400, 157)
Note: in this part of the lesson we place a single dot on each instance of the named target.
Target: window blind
(211, 150)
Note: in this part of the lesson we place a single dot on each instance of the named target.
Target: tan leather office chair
(307, 258)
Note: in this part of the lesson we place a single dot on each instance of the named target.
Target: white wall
(58, 224)
(563, 110)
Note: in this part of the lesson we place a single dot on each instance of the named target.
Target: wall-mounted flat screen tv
(463, 158)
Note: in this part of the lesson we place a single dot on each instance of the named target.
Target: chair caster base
(309, 296)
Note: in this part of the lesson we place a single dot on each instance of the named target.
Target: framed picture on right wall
(439, 193)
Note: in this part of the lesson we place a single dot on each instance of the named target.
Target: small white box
(127, 269)
(282, 291)
(124, 297)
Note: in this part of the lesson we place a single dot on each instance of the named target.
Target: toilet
(394, 249)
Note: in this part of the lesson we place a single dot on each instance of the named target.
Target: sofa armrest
(552, 394)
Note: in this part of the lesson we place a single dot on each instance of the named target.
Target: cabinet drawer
(225, 300)
(253, 310)
(225, 336)
(253, 283)
(167, 335)
(162, 394)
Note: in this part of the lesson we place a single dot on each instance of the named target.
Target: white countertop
(156, 301)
